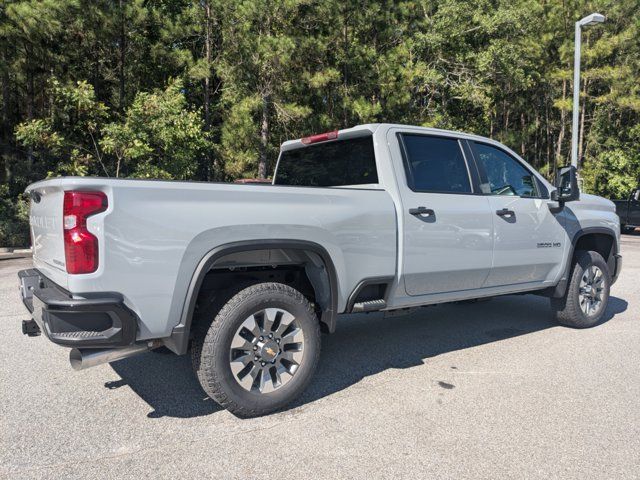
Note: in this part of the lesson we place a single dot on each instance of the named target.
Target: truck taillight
(80, 245)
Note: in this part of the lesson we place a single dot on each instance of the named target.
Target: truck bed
(154, 233)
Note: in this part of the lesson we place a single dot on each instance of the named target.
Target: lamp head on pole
(592, 19)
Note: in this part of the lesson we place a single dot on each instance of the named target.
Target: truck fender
(561, 287)
(319, 273)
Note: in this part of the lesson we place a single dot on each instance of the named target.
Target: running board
(369, 306)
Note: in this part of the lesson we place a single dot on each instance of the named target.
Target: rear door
(447, 224)
(529, 238)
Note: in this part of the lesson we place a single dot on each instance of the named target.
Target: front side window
(505, 174)
(435, 164)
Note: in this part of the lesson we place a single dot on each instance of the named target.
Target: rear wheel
(587, 295)
(260, 350)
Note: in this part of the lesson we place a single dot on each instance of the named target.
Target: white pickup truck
(245, 277)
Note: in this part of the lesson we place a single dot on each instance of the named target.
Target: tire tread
(567, 309)
(208, 337)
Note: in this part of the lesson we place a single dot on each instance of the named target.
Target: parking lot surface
(487, 390)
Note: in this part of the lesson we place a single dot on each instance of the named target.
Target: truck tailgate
(45, 224)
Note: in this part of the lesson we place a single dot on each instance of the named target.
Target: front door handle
(422, 211)
(505, 212)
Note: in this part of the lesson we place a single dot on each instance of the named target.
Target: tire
(573, 310)
(225, 349)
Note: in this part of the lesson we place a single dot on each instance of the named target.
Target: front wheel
(260, 350)
(587, 295)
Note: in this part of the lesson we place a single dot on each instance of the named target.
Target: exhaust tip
(75, 359)
(83, 358)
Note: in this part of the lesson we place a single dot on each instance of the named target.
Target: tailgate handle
(422, 211)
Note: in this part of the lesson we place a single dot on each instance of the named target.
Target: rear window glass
(331, 164)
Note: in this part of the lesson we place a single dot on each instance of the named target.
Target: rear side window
(435, 164)
(333, 164)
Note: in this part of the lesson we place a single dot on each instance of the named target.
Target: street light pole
(576, 95)
(592, 19)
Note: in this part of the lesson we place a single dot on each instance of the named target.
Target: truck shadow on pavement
(363, 345)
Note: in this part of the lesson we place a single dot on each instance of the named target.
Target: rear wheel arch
(313, 258)
(244, 363)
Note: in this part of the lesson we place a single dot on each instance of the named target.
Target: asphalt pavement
(488, 390)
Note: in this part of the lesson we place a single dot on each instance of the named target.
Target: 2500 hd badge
(549, 244)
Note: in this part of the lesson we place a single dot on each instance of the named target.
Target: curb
(17, 253)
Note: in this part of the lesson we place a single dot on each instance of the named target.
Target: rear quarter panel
(155, 233)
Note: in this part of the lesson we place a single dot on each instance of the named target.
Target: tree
(160, 136)
(67, 139)
(208, 89)
(257, 66)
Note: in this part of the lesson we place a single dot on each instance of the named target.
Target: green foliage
(66, 137)
(160, 137)
(238, 146)
(614, 168)
(208, 89)
(613, 173)
(14, 219)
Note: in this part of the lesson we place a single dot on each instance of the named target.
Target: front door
(528, 237)
(447, 226)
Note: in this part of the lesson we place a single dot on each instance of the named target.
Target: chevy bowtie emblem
(270, 351)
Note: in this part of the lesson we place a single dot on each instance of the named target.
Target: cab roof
(370, 128)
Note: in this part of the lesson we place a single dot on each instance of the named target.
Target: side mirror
(636, 195)
(567, 189)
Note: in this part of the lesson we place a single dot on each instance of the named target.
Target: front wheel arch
(568, 309)
(597, 239)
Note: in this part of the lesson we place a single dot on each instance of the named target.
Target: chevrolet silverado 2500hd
(245, 277)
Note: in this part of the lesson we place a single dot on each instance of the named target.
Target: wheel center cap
(590, 292)
(269, 350)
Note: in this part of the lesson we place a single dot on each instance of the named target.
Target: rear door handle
(422, 211)
(505, 212)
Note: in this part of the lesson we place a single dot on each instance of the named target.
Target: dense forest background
(207, 90)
